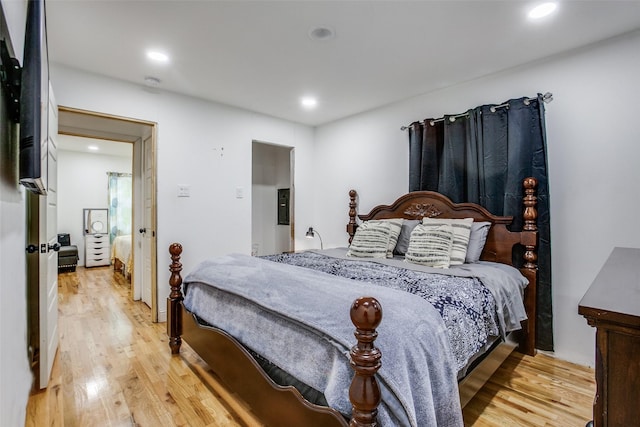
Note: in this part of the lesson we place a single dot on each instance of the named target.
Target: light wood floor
(114, 368)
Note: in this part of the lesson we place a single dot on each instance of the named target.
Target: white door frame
(91, 124)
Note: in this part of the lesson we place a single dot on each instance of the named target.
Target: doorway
(142, 135)
(272, 199)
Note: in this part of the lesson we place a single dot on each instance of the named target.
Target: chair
(68, 253)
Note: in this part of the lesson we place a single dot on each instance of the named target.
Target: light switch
(184, 191)
(239, 192)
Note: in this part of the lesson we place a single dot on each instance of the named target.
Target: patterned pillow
(461, 232)
(371, 240)
(430, 245)
(477, 239)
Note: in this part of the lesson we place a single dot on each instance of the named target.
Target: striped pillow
(430, 245)
(371, 240)
(461, 232)
(395, 225)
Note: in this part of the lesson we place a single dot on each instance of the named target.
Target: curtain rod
(547, 97)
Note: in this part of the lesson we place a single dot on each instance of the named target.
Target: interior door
(148, 228)
(43, 269)
(49, 261)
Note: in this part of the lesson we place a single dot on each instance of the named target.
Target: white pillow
(430, 245)
(461, 231)
(371, 240)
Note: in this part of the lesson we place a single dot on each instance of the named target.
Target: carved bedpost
(352, 225)
(174, 325)
(366, 314)
(530, 268)
(530, 217)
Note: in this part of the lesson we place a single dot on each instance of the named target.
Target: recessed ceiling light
(309, 102)
(157, 56)
(542, 10)
(322, 33)
(93, 147)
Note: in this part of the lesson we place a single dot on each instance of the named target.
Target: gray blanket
(417, 378)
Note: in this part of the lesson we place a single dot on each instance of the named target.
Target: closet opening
(272, 199)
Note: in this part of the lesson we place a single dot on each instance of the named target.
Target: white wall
(15, 375)
(270, 172)
(593, 148)
(83, 183)
(204, 145)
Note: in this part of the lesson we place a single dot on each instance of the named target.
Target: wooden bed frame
(276, 405)
(120, 267)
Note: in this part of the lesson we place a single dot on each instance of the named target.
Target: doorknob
(143, 230)
(32, 248)
(55, 247)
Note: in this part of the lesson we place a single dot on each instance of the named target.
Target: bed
(378, 391)
(121, 255)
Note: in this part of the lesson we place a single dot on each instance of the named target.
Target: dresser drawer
(96, 238)
(97, 262)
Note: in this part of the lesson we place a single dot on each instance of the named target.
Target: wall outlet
(184, 191)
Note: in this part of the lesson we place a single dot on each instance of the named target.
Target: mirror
(96, 221)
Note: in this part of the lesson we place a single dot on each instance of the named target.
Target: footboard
(274, 404)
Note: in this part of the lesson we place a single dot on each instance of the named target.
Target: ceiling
(258, 55)
(94, 146)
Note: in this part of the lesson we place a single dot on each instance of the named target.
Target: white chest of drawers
(97, 251)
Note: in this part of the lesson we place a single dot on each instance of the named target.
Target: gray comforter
(304, 315)
(478, 302)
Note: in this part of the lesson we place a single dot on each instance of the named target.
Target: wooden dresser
(612, 306)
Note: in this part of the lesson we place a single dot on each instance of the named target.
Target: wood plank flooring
(114, 368)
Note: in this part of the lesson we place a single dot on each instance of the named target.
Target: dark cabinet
(612, 306)
(283, 206)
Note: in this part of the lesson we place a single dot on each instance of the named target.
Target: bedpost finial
(175, 249)
(530, 183)
(366, 313)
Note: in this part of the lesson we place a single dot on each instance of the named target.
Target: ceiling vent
(322, 33)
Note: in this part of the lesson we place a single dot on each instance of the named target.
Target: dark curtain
(482, 156)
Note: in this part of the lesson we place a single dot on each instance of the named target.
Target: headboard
(502, 245)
